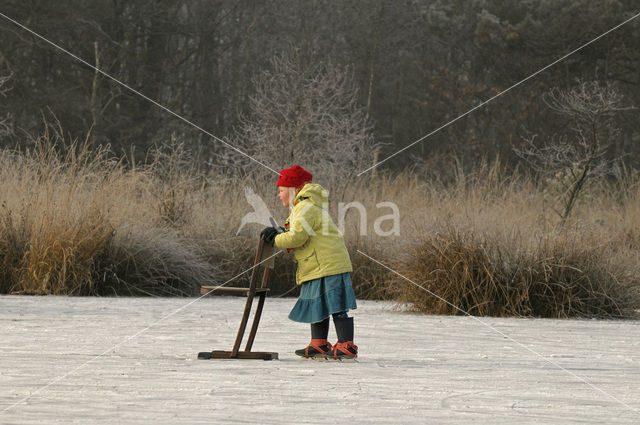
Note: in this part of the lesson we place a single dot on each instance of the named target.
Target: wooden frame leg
(256, 318)
(247, 306)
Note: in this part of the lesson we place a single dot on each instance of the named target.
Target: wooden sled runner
(264, 251)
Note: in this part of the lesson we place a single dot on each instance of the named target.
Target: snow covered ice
(412, 368)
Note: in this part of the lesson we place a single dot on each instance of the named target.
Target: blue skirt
(320, 298)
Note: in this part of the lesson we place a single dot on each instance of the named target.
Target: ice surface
(412, 368)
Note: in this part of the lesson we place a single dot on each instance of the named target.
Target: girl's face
(287, 194)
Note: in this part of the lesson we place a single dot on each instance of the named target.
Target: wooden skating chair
(264, 251)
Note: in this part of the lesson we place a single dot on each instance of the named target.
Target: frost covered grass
(80, 221)
(559, 276)
(490, 244)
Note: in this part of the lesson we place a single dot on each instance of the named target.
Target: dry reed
(76, 221)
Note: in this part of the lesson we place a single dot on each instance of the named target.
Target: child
(324, 265)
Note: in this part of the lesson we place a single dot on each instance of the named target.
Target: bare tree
(571, 162)
(306, 113)
(6, 128)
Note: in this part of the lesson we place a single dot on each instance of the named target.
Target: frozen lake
(412, 368)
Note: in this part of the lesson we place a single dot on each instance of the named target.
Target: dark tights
(320, 330)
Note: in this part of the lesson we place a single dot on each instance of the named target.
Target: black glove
(268, 235)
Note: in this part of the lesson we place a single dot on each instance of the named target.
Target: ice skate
(317, 347)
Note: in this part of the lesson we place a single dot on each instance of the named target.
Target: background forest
(526, 206)
(415, 65)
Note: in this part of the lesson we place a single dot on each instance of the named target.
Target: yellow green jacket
(318, 246)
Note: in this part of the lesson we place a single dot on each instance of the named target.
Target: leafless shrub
(3, 81)
(308, 114)
(6, 129)
(570, 163)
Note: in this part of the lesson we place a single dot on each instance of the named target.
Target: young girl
(324, 265)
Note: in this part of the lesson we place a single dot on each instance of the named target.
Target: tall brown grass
(560, 276)
(77, 220)
(490, 244)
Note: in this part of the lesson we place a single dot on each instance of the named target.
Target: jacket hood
(316, 193)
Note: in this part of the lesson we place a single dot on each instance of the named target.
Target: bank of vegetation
(83, 222)
(528, 206)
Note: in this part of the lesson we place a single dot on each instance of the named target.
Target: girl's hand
(268, 235)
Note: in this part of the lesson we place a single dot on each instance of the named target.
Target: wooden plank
(250, 295)
(268, 251)
(229, 290)
(256, 317)
(244, 355)
(265, 280)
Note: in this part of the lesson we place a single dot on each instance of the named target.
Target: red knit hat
(295, 176)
